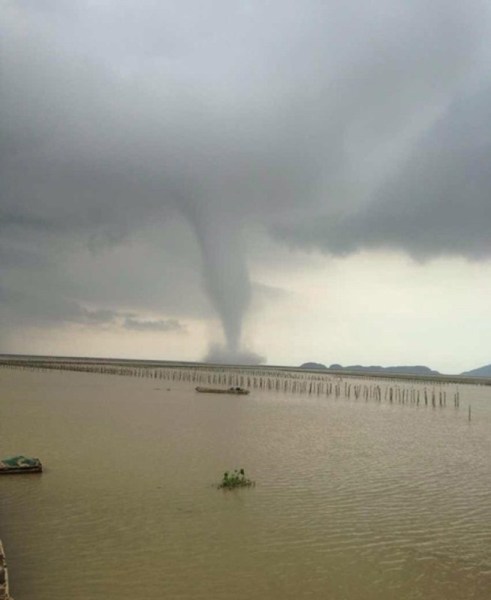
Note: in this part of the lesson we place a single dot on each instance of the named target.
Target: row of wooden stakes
(389, 390)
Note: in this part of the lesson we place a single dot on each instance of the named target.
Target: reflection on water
(354, 500)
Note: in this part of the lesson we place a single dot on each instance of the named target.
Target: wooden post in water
(4, 576)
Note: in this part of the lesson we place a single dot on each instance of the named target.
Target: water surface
(354, 500)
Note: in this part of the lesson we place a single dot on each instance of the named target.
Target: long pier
(4, 576)
(398, 388)
(127, 365)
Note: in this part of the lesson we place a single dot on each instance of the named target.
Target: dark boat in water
(20, 464)
(232, 390)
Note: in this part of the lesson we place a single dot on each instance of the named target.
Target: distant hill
(480, 372)
(406, 370)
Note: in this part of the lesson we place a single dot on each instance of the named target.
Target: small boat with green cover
(231, 390)
(20, 464)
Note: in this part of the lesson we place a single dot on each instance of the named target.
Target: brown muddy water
(354, 499)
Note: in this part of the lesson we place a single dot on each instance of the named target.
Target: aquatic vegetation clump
(235, 479)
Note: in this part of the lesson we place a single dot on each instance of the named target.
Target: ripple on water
(353, 500)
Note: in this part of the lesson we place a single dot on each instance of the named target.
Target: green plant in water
(235, 479)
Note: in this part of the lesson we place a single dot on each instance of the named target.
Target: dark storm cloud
(298, 117)
(437, 203)
(41, 308)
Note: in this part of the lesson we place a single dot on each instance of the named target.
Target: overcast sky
(247, 180)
